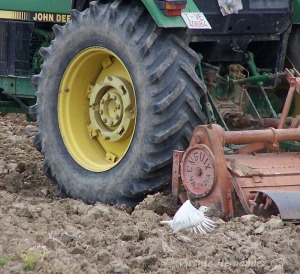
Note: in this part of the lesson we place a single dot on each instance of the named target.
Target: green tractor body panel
(36, 10)
(296, 9)
(47, 6)
(168, 21)
(20, 18)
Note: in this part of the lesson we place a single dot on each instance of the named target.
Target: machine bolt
(95, 107)
(111, 123)
(198, 139)
(104, 120)
(198, 171)
(117, 116)
(123, 90)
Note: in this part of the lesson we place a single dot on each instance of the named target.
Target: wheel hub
(111, 109)
(98, 125)
(198, 170)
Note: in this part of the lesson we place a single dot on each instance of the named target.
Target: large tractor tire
(116, 95)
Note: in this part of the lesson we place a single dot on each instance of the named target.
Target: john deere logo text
(50, 17)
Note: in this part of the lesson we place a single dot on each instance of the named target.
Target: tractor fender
(168, 21)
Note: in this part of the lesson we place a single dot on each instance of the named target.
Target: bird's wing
(206, 225)
(209, 221)
(198, 229)
(187, 216)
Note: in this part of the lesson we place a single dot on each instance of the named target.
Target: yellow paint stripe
(14, 15)
(7, 14)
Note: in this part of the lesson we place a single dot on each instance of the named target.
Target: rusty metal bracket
(204, 173)
(294, 82)
(177, 156)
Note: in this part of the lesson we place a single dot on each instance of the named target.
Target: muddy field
(41, 233)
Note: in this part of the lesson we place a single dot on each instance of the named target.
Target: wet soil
(42, 233)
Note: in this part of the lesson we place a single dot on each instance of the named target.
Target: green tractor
(117, 86)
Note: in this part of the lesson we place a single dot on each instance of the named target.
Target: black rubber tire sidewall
(130, 178)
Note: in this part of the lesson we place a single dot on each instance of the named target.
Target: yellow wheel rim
(97, 109)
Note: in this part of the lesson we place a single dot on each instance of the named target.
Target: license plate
(195, 20)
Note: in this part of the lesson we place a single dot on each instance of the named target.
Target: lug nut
(118, 106)
(123, 90)
(117, 116)
(111, 123)
(104, 120)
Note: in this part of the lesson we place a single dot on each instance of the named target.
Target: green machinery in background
(25, 28)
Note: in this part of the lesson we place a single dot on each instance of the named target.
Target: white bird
(188, 217)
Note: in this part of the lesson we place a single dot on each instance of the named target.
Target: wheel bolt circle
(114, 122)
